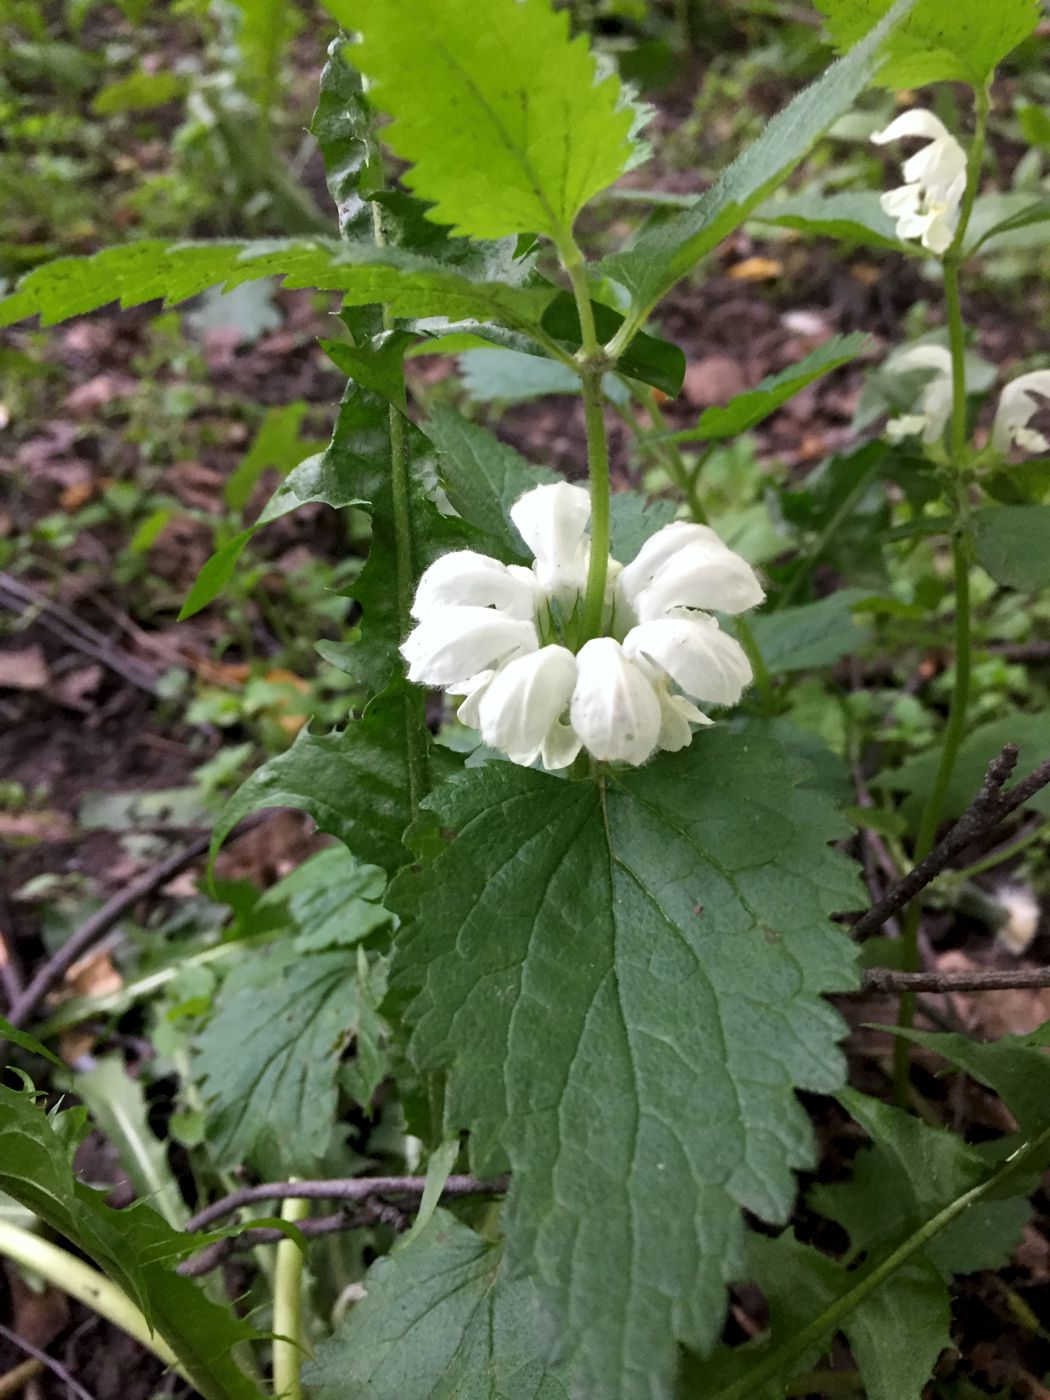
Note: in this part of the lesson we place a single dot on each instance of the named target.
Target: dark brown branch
(990, 807)
(888, 979)
(351, 1188)
(50, 973)
(363, 1191)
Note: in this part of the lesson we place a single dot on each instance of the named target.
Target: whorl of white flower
(506, 639)
(1021, 915)
(926, 206)
(935, 401)
(1017, 407)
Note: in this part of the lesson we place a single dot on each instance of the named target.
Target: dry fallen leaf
(23, 670)
(756, 270)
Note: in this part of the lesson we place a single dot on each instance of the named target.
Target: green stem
(87, 1285)
(989, 862)
(404, 572)
(288, 1308)
(934, 805)
(827, 1323)
(959, 452)
(591, 367)
(763, 680)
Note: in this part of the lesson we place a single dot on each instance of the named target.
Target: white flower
(504, 638)
(1017, 408)
(551, 520)
(935, 401)
(696, 654)
(926, 206)
(1021, 915)
(687, 566)
(615, 710)
(452, 642)
(521, 709)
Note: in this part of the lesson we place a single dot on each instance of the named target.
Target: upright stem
(961, 550)
(400, 490)
(288, 1308)
(591, 367)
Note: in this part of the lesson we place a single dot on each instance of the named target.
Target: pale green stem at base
(763, 681)
(958, 451)
(71, 1275)
(288, 1309)
(824, 1326)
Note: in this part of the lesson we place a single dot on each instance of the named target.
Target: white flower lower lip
(1018, 405)
(520, 711)
(926, 206)
(697, 655)
(615, 710)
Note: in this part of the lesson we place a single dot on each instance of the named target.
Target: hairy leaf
(139, 272)
(941, 40)
(343, 126)
(631, 937)
(814, 634)
(752, 406)
(506, 123)
(439, 1321)
(1013, 544)
(135, 1246)
(658, 257)
(353, 782)
(268, 1058)
(851, 216)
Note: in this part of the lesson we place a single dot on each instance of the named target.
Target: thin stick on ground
(51, 972)
(73, 1386)
(990, 807)
(1007, 979)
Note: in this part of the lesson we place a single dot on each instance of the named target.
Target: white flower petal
(917, 121)
(903, 202)
(660, 548)
(551, 520)
(696, 654)
(525, 702)
(1017, 407)
(676, 715)
(450, 644)
(700, 576)
(466, 578)
(472, 689)
(935, 399)
(906, 426)
(614, 710)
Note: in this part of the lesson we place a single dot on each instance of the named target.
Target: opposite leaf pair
(510, 641)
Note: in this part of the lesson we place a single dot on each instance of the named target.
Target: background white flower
(926, 206)
(504, 638)
(935, 401)
(1019, 402)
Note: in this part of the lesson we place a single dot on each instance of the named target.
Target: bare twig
(22, 598)
(351, 1188)
(92, 930)
(888, 979)
(73, 1386)
(990, 807)
(363, 1191)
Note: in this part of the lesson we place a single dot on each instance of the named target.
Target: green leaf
(139, 272)
(333, 900)
(645, 926)
(439, 1321)
(493, 375)
(343, 128)
(117, 1104)
(507, 125)
(276, 445)
(1013, 544)
(1030, 214)
(138, 92)
(484, 477)
(942, 40)
(811, 635)
(135, 1247)
(647, 358)
(1016, 1067)
(852, 216)
(354, 783)
(1031, 734)
(267, 1060)
(215, 574)
(658, 257)
(28, 1042)
(751, 407)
